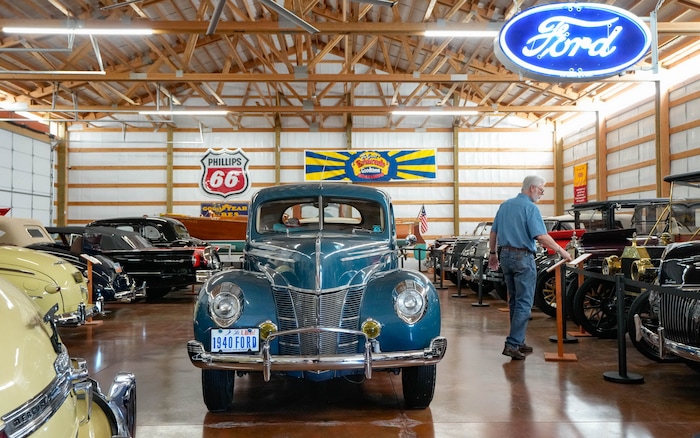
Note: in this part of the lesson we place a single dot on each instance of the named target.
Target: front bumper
(665, 346)
(132, 294)
(203, 275)
(82, 314)
(372, 358)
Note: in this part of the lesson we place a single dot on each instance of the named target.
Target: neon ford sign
(572, 41)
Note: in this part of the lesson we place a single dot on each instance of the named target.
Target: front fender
(378, 304)
(258, 302)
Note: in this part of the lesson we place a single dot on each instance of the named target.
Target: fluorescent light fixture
(77, 31)
(435, 112)
(462, 33)
(289, 15)
(184, 112)
(389, 3)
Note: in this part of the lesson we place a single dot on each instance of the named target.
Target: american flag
(423, 218)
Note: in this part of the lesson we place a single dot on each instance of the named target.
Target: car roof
(339, 189)
(137, 219)
(77, 229)
(690, 178)
(621, 203)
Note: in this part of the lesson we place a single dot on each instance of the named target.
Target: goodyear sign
(224, 209)
(370, 166)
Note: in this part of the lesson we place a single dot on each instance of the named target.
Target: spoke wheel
(595, 308)
(546, 293)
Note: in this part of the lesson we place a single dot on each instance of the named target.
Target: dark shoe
(524, 348)
(513, 353)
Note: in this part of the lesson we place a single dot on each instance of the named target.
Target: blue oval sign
(572, 41)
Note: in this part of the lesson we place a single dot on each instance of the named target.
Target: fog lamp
(267, 328)
(371, 328)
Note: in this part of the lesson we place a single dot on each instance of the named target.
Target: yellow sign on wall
(581, 183)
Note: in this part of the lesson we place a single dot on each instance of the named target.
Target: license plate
(235, 340)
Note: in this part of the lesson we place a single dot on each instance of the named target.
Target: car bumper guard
(266, 362)
(665, 346)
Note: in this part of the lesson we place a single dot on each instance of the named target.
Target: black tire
(546, 293)
(217, 389)
(501, 290)
(418, 385)
(156, 293)
(640, 306)
(595, 308)
(571, 288)
(486, 286)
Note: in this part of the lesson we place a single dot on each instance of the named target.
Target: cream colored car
(49, 281)
(44, 392)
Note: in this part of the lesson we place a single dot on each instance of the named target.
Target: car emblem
(572, 41)
(224, 172)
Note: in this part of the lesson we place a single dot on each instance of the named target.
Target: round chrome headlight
(225, 303)
(410, 301)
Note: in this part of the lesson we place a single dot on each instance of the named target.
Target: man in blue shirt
(516, 227)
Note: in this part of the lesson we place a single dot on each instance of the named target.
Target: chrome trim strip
(31, 415)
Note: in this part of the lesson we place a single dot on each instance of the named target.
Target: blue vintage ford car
(321, 295)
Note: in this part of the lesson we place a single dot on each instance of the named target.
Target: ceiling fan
(282, 12)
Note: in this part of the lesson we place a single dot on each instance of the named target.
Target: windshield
(304, 215)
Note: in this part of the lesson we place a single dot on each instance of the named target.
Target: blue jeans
(520, 274)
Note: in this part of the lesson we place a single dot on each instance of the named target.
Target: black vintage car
(165, 232)
(664, 325)
(163, 269)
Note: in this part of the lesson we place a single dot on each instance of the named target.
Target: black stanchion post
(442, 268)
(480, 292)
(621, 376)
(459, 285)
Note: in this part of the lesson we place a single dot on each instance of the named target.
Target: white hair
(533, 180)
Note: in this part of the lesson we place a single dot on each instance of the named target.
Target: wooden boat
(213, 228)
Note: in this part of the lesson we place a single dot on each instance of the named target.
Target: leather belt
(514, 249)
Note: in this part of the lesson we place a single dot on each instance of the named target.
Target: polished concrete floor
(480, 393)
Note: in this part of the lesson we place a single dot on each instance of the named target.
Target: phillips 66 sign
(572, 41)
(224, 172)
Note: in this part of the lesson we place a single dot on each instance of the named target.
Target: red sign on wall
(224, 172)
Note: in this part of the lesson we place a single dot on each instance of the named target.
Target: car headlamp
(225, 303)
(410, 301)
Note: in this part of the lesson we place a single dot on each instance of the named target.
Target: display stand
(90, 261)
(560, 356)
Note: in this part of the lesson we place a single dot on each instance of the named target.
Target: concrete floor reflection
(479, 393)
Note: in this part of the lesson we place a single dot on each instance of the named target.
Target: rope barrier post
(559, 276)
(480, 292)
(442, 268)
(459, 285)
(621, 376)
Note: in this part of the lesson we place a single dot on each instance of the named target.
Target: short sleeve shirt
(518, 222)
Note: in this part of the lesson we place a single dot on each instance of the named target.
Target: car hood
(319, 263)
(27, 355)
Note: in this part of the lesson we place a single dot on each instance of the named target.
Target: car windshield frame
(345, 215)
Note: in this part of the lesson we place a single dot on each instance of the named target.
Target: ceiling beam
(334, 28)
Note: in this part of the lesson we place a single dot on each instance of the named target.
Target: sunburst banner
(370, 166)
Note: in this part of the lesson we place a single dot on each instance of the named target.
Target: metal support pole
(621, 376)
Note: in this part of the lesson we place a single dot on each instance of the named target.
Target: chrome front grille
(300, 309)
(680, 317)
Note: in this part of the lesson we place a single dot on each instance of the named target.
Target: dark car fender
(396, 334)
